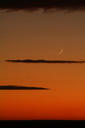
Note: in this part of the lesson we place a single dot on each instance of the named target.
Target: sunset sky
(38, 30)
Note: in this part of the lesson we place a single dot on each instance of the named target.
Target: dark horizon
(44, 123)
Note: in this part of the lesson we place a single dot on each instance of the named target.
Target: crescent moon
(61, 51)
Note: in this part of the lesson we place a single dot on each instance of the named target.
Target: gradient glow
(40, 35)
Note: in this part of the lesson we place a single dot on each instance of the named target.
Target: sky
(36, 82)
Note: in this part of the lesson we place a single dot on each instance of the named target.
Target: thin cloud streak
(46, 5)
(13, 87)
(44, 61)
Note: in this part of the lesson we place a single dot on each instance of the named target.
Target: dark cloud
(46, 5)
(13, 87)
(44, 61)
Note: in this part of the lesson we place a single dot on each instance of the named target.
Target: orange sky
(40, 35)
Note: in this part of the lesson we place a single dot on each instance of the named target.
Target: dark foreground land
(42, 124)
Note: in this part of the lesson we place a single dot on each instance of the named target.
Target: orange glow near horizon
(36, 108)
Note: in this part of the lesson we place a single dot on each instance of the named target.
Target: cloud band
(32, 5)
(44, 61)
(12, 87)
